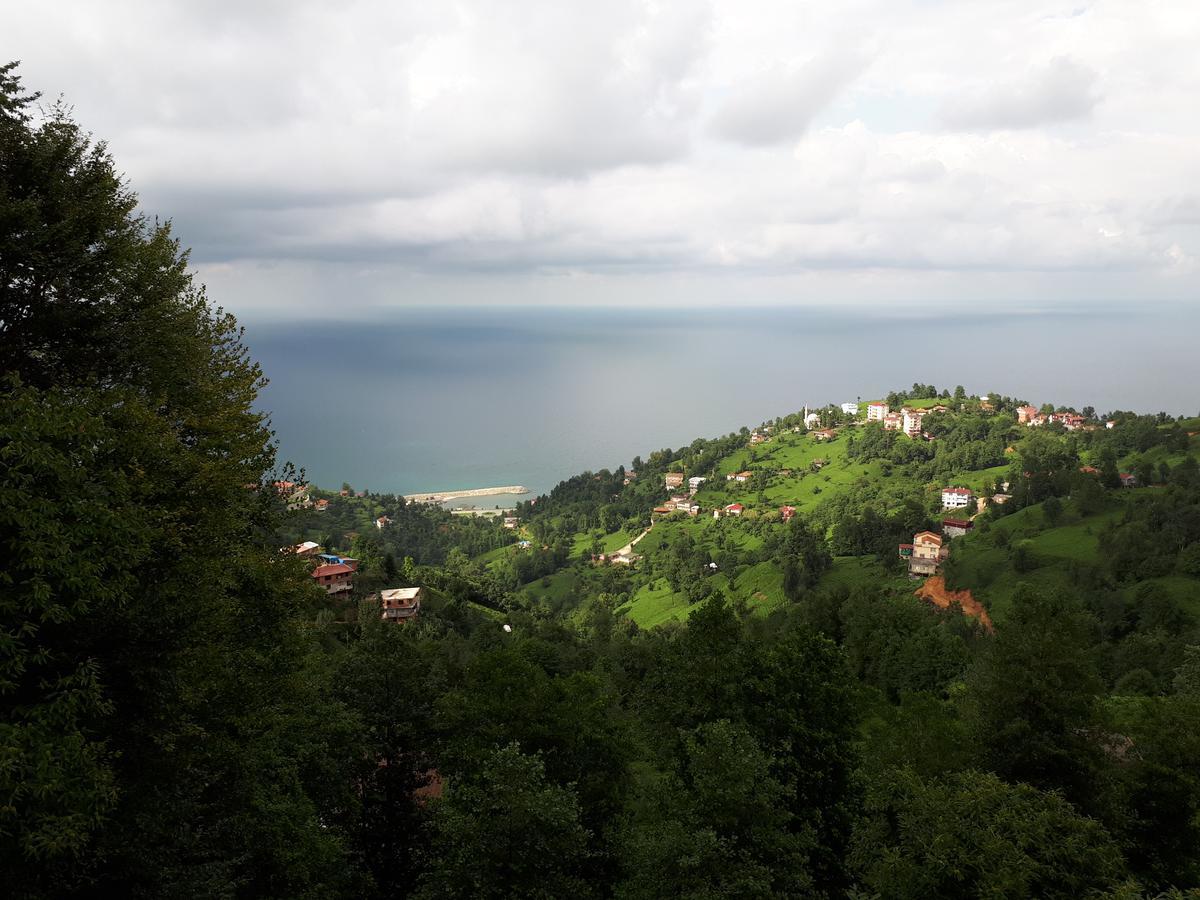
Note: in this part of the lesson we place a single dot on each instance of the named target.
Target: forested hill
(752, 704)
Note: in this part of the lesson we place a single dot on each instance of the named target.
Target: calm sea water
(425, 400)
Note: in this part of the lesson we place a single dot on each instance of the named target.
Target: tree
(1052, 509)
(970, 834)
(805, 556)
(154, 680)
(1032, 693)
(506, 831)
(716, 826)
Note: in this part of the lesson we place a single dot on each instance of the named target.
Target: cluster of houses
(1030, 415)
(334, 574)
(908, 420)
(680, 502)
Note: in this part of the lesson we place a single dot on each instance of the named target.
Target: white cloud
(779, 103)
(1061, 91)
(780, 150)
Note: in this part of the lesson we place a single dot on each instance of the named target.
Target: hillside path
(628, 548)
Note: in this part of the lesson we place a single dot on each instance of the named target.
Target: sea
(417, 399)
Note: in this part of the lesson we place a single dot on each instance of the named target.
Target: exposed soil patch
(935, 591)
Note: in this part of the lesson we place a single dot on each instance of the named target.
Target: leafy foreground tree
(157, 733)
(971, 835)
(507, 832)
(719, 827)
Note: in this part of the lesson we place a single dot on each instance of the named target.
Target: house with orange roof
(335, 578)
(928, 551)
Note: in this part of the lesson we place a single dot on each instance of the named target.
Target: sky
(338, 159)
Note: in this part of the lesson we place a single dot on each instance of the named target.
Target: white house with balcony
(956, 497)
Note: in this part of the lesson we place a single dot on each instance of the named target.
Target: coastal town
(779, 474)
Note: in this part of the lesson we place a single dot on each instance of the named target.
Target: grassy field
(760, 586)
(987, 569)
(609, 542)
(656, 603)
(863, 571)
(802, 488)
(554, 591)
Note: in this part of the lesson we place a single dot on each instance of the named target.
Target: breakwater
(442, 496)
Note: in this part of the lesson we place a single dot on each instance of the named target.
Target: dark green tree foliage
(1033, 690)
(719, 825)
(803, 555)
(793, 699)
(392, 678)
(156, 730)
(900, 644)
(505, 830)
(973, 835)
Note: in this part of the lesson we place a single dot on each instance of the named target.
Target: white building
(877, 411)
(956, 497)
(812, 420)
(850, 409)
(694, 483)
(912, 421)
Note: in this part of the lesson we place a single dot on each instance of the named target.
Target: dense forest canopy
(750, 702)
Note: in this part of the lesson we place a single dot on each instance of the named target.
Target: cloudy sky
(325, 157)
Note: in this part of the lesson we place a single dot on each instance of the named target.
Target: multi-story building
(956, 497)
(400, 604)
(877, 411)
(928, 550)
(912, 421)
(335, 578)
(673, 479)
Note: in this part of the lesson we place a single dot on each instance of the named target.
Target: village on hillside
(800, 467)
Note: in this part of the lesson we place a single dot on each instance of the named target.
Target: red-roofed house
(787, 512)
(1025, 414)
(734, 509)
(953, 528)
(335, 578)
